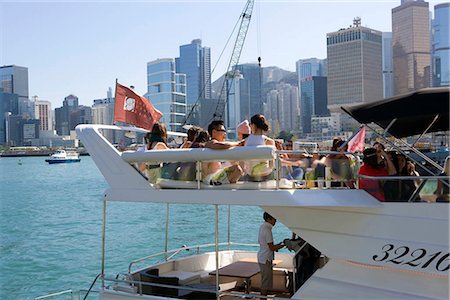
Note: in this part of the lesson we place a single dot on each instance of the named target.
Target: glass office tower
(441, 45)
(166, 90)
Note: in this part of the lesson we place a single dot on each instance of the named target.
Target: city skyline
(80, 48)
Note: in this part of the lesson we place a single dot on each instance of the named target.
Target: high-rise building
(441, 45)
(411, 46)
(14, 80)
(388, 79)
(13, 102)
(63, 122)
(43, 112)
(306, 70)
(281, 109)
(313, 100)
(250, 90)
(103, 113)
(166, 90)
(354, 67)
(195, 62)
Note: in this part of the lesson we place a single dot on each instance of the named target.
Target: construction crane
(236, 54)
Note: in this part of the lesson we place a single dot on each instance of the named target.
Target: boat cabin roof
(413, 113)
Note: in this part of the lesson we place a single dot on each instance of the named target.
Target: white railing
(174, 252)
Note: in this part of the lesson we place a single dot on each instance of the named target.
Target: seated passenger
(243, 130)
(201, 139)
(191, 135)
(371, 167)
(340, 164)
(157, 141)
(216, 173)
(259, 170)
(442, 190)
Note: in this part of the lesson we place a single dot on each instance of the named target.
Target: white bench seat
(184, 277)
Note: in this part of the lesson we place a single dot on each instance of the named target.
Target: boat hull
(62, 161)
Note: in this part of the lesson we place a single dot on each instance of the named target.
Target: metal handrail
(178, 287)
(187, 248)
(56, 294)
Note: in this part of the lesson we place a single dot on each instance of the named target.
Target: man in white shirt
(266, 252)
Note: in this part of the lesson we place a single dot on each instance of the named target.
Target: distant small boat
(62, 156)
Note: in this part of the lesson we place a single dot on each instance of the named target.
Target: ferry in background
(63, 156)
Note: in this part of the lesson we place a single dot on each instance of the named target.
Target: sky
(81, 47)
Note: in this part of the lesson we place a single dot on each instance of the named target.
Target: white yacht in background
(63, 156)
(369, 249)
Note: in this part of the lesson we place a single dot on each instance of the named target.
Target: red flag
(134, 109)
(357, 142)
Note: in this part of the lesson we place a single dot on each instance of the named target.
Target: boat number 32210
(418, 258)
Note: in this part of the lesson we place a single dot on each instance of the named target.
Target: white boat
(63, 156)
(370, 249)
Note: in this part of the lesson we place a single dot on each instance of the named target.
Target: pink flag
(357, 142)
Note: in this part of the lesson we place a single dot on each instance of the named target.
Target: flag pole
(115, 99)
(350, 138)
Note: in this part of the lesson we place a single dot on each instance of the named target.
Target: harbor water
(51, 219)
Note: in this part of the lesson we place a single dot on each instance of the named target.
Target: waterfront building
(103, 113)
(354, 68)
(195, 63)
(43, 112)
(282, 108)
(306, 69)
(388, 77)
(9, 106)
(23, 132)
(411, 46)
(313, 100)
(14, 80)
(250, 90)
(63, 122)
(82, 115)
(441, 45)
(166, 89)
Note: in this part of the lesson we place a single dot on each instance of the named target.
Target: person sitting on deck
(243, 130)
(371, 167)
(191, 135)
(340, 164)
(214, 173)
(442, 190)
(157, 141)
(259, 170)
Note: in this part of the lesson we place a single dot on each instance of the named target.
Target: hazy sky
(81, 47)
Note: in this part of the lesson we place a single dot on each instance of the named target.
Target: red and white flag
(357, 142)
(134, 109)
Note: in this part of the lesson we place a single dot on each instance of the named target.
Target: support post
(229, 226)
(103, 241)
(217, 251)
(166, 244)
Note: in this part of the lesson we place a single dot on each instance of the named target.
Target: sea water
(51, 227)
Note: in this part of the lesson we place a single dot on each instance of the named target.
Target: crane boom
(236, 54)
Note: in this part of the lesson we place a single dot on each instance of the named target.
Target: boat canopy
(425, 110)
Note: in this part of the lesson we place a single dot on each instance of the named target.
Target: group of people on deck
(376, 162)
(217, 173)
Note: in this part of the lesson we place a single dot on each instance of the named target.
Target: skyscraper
(311, 91)
(195, 62)
(166, 90)
(411, 46)
(43, 112)
(250, 90)
(313, 100)
(281, 109)
(354, 67)
(388, 79)
(441, 45)
(63, 122)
